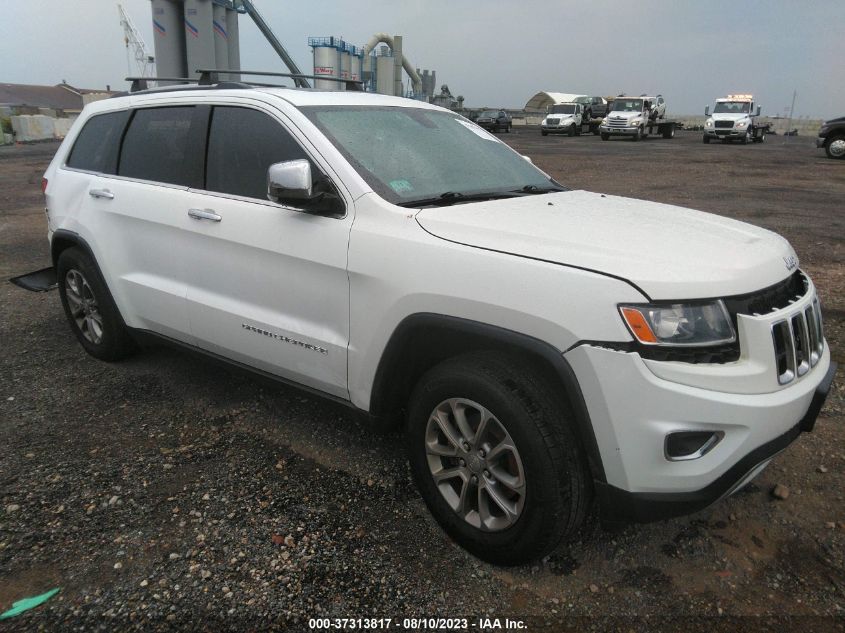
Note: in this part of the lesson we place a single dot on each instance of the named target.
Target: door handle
(101, 193)
(204, 214)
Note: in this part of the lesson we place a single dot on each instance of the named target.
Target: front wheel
(508, 128)
(605, 136)
(705, 139)
(544, 133)
(89, 308)
(637, 135)
(835, 147)
(494, 456)
(571, 131)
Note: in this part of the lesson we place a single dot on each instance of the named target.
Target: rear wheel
(495, 459)
(508, 128)
(89, 308)
(762, 137)
(669, 131)
(835, 147)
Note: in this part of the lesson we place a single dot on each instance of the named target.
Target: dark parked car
(594, 107)
(494, 120)
(832, 137)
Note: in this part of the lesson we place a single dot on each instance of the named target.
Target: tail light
(43, 185)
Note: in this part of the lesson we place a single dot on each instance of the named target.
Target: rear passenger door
(267, 285)
(134, 215)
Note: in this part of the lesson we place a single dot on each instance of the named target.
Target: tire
(834, 147)
(547, 460)
(578, 130)
(747, 138)
(571, 131)
(508, 129)
(669, 131)
(89, 307)
(705, 139)
(762, 137)
(594, 129)
(636, 137)
(544, 133)
(605, 136)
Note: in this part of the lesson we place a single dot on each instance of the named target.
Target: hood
(624, 114)
(730, 116)
(667, 251)
(556, 117)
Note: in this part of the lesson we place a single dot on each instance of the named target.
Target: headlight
(635, 122)
(708, 123)
(741, 125)
(680, 323)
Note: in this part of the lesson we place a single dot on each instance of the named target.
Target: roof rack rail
(140, 84)
(209, 76)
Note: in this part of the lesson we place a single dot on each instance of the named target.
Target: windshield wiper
(455, 197)
(536, 189)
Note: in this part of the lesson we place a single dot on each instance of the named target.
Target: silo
(357, 62)
(199, 35)
(384, 71)
(345, 64)
(326, 61)
(169, 37)
(220, 37)
(234, 43)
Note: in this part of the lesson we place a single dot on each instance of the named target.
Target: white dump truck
(735, 118)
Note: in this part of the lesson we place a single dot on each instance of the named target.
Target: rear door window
(165, 145)
(96, 146)
(242, 144)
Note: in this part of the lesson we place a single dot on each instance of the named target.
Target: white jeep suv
(544, 348)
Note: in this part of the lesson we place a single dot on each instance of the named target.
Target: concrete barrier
(39, 127)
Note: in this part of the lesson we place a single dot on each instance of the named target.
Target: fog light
(684, 445)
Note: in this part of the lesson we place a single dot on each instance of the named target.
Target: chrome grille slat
(798, 343)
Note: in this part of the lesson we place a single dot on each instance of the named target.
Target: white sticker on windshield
(480, 131)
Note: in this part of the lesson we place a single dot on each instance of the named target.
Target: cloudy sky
(496, 53)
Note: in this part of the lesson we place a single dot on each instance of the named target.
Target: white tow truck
(735, 118)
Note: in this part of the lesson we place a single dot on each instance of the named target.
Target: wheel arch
(423, 340)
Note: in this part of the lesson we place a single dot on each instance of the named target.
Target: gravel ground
(168, 493)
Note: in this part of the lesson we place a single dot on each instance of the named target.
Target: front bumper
(725, 132)
(820, 141)
(561, 128)
(620, 131)
(632, 410)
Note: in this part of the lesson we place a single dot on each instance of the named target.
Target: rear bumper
(620, 505)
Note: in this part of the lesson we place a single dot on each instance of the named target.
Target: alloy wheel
(475, 464)
(83, 306)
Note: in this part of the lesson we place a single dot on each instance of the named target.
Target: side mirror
(706, 110)
(759, 109)
(289, 180)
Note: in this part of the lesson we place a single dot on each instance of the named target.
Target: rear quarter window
(96, 147)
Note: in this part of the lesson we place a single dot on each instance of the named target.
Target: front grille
(728, 124)
(617, 122)
(552, 121)
(771, 299)
(798, 342)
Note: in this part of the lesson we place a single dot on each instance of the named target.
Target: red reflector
(43, 185)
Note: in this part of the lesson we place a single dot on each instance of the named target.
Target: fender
(388, 391)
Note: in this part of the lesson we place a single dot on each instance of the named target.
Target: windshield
(489, 114)
(563, 108)
(582, 99)
(408, 154)
(732, 107)
(628, 105)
